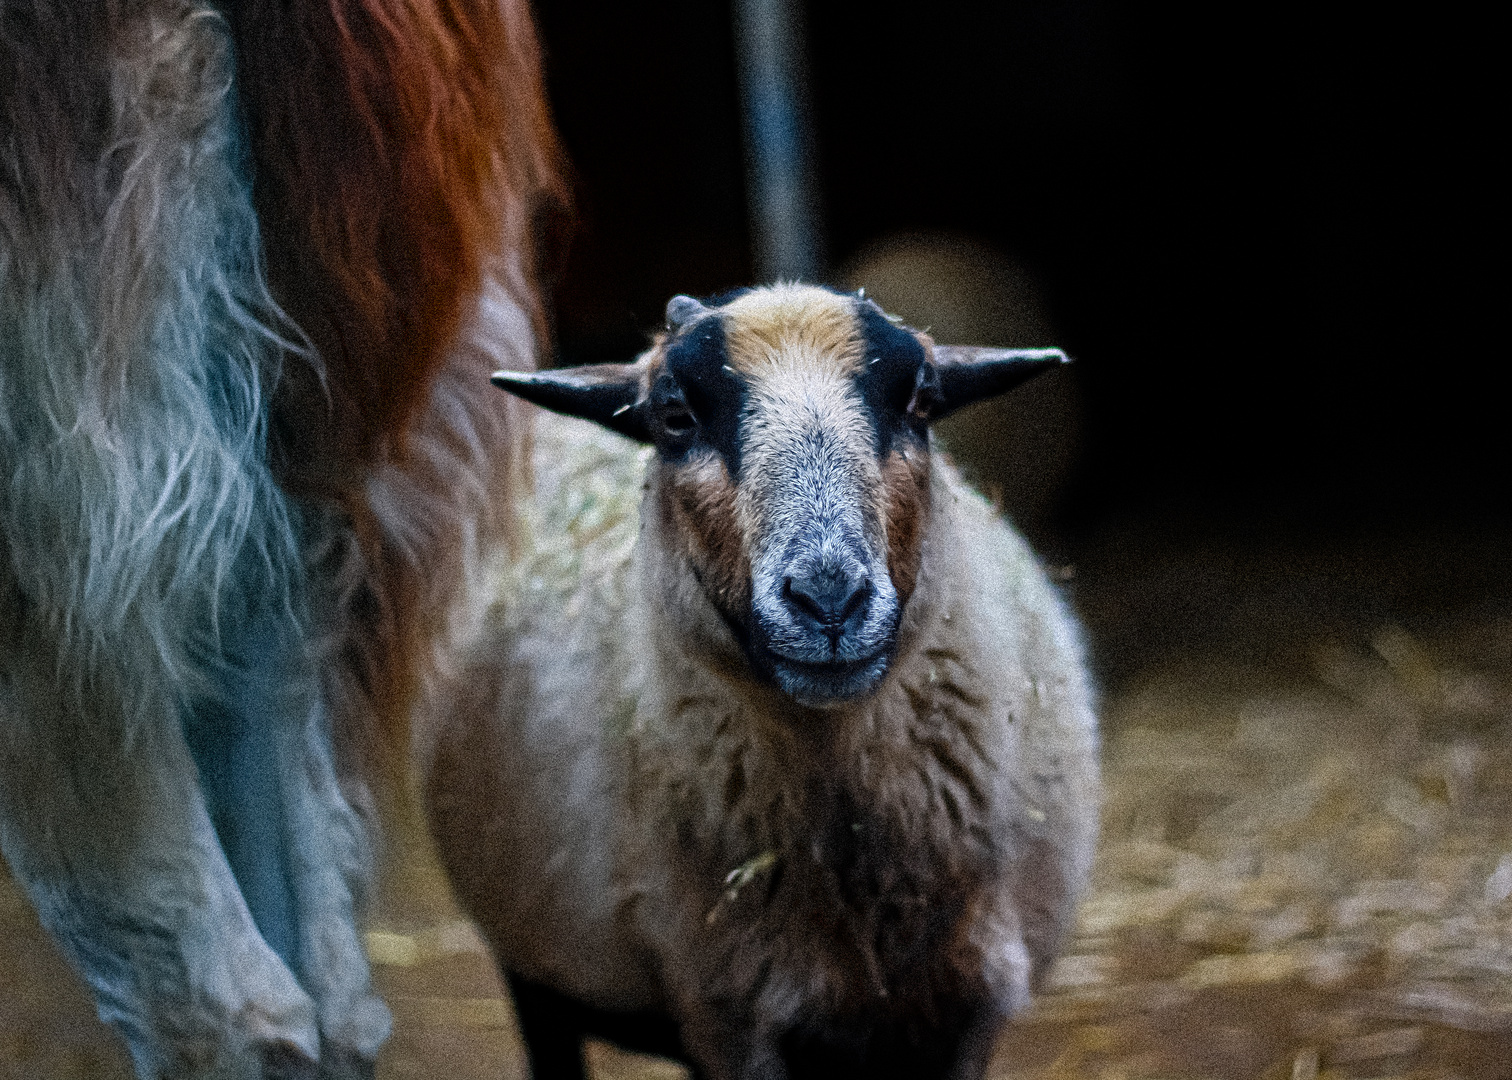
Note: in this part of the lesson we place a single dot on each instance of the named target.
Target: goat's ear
(607, 394)
(964, 374)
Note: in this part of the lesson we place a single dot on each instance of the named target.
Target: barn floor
(1306, 864)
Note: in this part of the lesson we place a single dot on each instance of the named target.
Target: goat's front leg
(103, 822)
(724, 1047)
(971, 1046)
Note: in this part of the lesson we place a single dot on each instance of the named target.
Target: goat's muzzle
(825, 623)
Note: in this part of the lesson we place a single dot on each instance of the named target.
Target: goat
(802, 754)
(255, 260)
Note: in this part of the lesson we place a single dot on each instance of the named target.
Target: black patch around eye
(891, 371)
(699, 376)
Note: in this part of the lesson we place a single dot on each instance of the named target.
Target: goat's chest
(795, 874)
(848, 909)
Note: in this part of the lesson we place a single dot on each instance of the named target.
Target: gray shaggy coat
(216, 531)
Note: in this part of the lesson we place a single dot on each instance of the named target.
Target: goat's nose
(832, 601)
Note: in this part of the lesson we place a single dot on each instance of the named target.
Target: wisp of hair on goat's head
(791, 425)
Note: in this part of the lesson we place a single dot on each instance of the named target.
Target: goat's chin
(829, 686)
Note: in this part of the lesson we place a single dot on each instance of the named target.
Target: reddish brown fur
(398, 145)
(698, 508)
(905, 484)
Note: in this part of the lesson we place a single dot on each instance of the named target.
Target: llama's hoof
(285, 1061)
(343, 1063)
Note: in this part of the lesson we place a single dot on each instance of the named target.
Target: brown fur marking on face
(765, 325)
(698, 508)
(905, 482)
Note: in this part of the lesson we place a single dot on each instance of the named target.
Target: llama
(801, 753)
(255, 260)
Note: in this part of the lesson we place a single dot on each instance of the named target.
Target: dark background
(1265, 234)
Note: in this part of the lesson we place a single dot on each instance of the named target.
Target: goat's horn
(607, 394)
(970, 373)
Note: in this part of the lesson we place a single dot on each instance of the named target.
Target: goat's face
(792, 430)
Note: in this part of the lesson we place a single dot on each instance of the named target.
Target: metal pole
(781, 187)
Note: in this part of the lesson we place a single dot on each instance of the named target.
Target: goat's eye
(924, 393)
(900, 393)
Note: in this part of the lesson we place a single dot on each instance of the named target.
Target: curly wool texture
(632, 820)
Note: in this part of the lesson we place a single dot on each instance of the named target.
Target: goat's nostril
(855, 601)
(805, 600)
(829, 599)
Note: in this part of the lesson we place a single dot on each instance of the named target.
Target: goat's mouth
(824, 638)
(829, 684)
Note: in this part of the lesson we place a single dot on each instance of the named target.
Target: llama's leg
(104, 824)
(235, 747)
(298, 851)
(330, 852)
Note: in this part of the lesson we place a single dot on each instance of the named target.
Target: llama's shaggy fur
(197, 589)
(641, 816)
